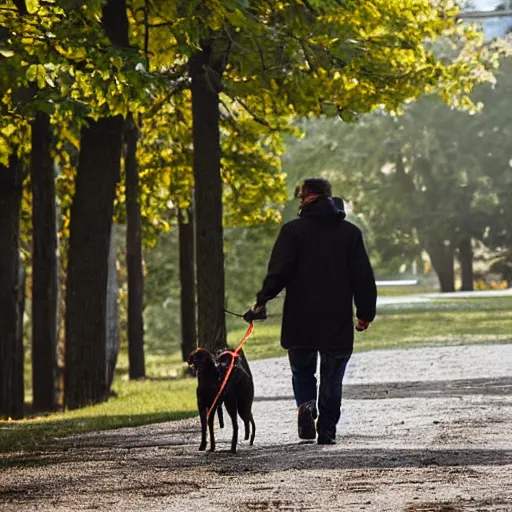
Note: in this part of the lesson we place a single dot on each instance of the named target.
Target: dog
(237, 396)
(208, 370)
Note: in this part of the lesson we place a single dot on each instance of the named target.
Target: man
(321, 260)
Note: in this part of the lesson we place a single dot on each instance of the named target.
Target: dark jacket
(321, 260)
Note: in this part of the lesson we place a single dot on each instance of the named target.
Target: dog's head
(197, 357)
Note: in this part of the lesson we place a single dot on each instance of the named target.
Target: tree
(491, 135)
(252, 183)
(240, 70)
(134, 257)
(433, 179)
(86, 376)
(187, 281)
(11, 348)
(44, 268)
(284, 58)
(205, 69)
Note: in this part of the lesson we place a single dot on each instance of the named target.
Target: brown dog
(238, 395)
(209, 379)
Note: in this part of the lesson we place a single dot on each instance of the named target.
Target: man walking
(321, 260)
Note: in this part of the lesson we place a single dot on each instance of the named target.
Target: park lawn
(447, 322)
(391, 291)
(136, 403)
(166, 395)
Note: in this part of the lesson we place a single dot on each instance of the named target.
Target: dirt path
(426, 429)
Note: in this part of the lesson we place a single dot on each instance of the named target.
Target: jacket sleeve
(363, 281)
(281, 265)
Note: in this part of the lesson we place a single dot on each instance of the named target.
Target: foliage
(251, 170)
(247, 250)
(60, 61)
(301, 65)
(282, 58)
(432, 173)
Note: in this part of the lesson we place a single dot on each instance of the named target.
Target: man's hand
(362, 325)
(255, 313)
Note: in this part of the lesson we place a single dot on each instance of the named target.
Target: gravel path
(424, 429)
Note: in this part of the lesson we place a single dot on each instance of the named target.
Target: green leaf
(31, 73)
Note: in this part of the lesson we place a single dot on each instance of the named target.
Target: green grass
(166, 396)
(448, 322)
(136, 403)
(388, 291)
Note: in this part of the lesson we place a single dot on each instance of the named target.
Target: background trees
(210, 90)
(431, 179)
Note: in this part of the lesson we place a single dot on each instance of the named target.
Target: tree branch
(230, 117)
(306, 55)
(235, 43)
(253, 114)
(181, 86)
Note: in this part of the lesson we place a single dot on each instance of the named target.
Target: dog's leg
(211, 419)
(232, 411)
(248, 422)
(245, 412)
(202, 415)
(220, 415)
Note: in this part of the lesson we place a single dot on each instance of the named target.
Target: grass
(165, 396)
(136, 403)
(389, 291)
(448, 322)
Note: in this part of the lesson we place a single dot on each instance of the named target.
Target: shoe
(306, 421)
(324, 439)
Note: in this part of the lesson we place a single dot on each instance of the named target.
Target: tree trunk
(11, 346)
(86, 380)
(112, 310)
(466, 263)
(442, 257)
(187, 282)
(208, 200)
(44, 268)
(86, 373)
(134, 259)
(19, 384)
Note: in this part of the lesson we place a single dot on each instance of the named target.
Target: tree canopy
(434, 175)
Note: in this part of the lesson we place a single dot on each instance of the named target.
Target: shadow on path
(421, 389)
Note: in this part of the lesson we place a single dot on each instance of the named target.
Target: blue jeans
(303, 364)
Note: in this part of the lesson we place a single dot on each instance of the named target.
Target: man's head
(313, 188)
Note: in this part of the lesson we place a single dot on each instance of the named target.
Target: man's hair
(318, 186)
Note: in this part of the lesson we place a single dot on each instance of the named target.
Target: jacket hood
(326, 209)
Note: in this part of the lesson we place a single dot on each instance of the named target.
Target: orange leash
(233, 354)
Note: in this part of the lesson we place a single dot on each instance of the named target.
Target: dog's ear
(192, 357)
(192, 360)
